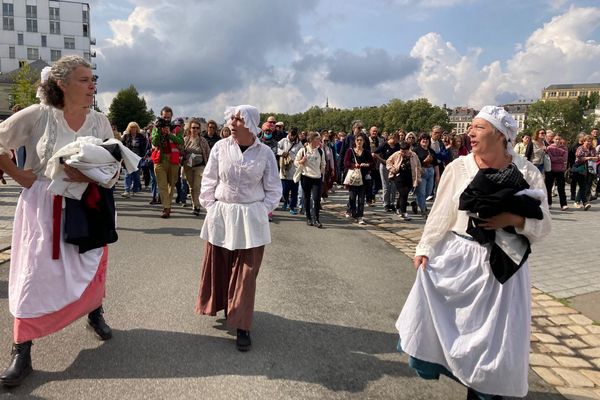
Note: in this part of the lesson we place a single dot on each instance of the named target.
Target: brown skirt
(228, 282)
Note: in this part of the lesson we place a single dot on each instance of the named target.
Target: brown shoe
(165, 213)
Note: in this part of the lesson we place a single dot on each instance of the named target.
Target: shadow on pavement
(4, 288)
(336, 357)
(174, 231)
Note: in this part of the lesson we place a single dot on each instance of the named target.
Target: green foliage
(25, 87)
(128, 106)
(412, 115)
(566, 117)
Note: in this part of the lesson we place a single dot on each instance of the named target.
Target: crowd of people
(402, 169)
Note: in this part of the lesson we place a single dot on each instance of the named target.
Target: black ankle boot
(19, 367)
(98, 324)
(243, 341)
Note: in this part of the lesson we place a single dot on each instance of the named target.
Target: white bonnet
(501, 120)
(248, 113)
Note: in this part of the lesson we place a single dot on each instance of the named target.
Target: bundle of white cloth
(88, 156)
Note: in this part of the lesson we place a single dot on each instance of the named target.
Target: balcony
(93, 66)
(93, 41)
(93, 54)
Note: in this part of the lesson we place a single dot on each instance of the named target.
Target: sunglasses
(195, 127)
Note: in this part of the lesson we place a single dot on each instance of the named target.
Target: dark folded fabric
(492, 192)
(90, 222)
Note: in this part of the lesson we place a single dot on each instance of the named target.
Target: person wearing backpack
(312, 162)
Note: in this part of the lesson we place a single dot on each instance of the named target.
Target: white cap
(248, 113)
(501, 120)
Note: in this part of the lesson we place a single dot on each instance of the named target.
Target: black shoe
(98, 324)
(318, 224)
(243, 342)
(196, 211)
(309, 222)
(415, 207)
(19, 367)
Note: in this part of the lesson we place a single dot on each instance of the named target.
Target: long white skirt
(39, 285)
(459, 316)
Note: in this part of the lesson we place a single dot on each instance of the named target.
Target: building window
(8, 23)
(55, 55)
(20, 39)
(86, 55)
(32, 53)
(8, 10)
(85, 16)
(31, 25)
(69, 42)
(11, 52)
(31, 11)
(44, 41)
(85, 30)
(55, 27)
(54, 13)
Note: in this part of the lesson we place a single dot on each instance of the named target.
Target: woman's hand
(74, 175)
(502, 221)
(25, 178)
(421, 261)
(302, 160)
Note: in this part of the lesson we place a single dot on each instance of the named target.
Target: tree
(25, 87)
(565, 117)
(128, 106)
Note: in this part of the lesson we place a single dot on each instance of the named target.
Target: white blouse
(42, 129)
(239, 190)
(445, 215)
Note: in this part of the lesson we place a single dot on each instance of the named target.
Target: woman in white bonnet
(48, 293)
(240, 187)
(463, 318)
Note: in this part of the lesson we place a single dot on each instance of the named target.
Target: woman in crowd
(240, 186)
(47, 294)
(411, 139)
(429, 174)
(459, 320)
(166, 162)
(195, 157)
(287, 148)
(311, 160)
(405, 172)
(135, 141)
(383, 153)
(585, 158)
(358, 157)
(521, 147)
(329, 173)
(558, 157)
(536, 149)
(225, 132)
(211, 133)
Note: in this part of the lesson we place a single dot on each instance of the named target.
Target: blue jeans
(356, 201)
(290, 193)
(153, 186)
(182, 190)
(20, 156)
(132, 182)
(425, 187)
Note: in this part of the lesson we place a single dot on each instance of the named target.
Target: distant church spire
(327, 102)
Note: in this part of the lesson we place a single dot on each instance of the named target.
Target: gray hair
(61, 71)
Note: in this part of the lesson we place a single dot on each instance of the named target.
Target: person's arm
(349, 160)
(443, 212)
(177, 138)
(390, 164)
(298, 161)
(210, 179)
(155, 137)
(25, 178)
(205, 148)
(271, 183)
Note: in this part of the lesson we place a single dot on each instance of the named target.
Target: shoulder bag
(354, 176)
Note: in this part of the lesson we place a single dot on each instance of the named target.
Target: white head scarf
(501, 120)
(248, 113)
(44, 75)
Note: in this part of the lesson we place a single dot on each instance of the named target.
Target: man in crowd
(212, 136)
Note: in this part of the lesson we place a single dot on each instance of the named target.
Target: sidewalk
(565, 342)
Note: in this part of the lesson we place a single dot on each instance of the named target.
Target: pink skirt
(26, 329)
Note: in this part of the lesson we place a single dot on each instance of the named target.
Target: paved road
(326, 305)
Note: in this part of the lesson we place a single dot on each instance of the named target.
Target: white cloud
(561, 51)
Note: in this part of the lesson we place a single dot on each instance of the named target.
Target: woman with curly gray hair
(48, 293)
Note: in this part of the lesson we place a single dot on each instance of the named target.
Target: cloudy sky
(199, 56)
